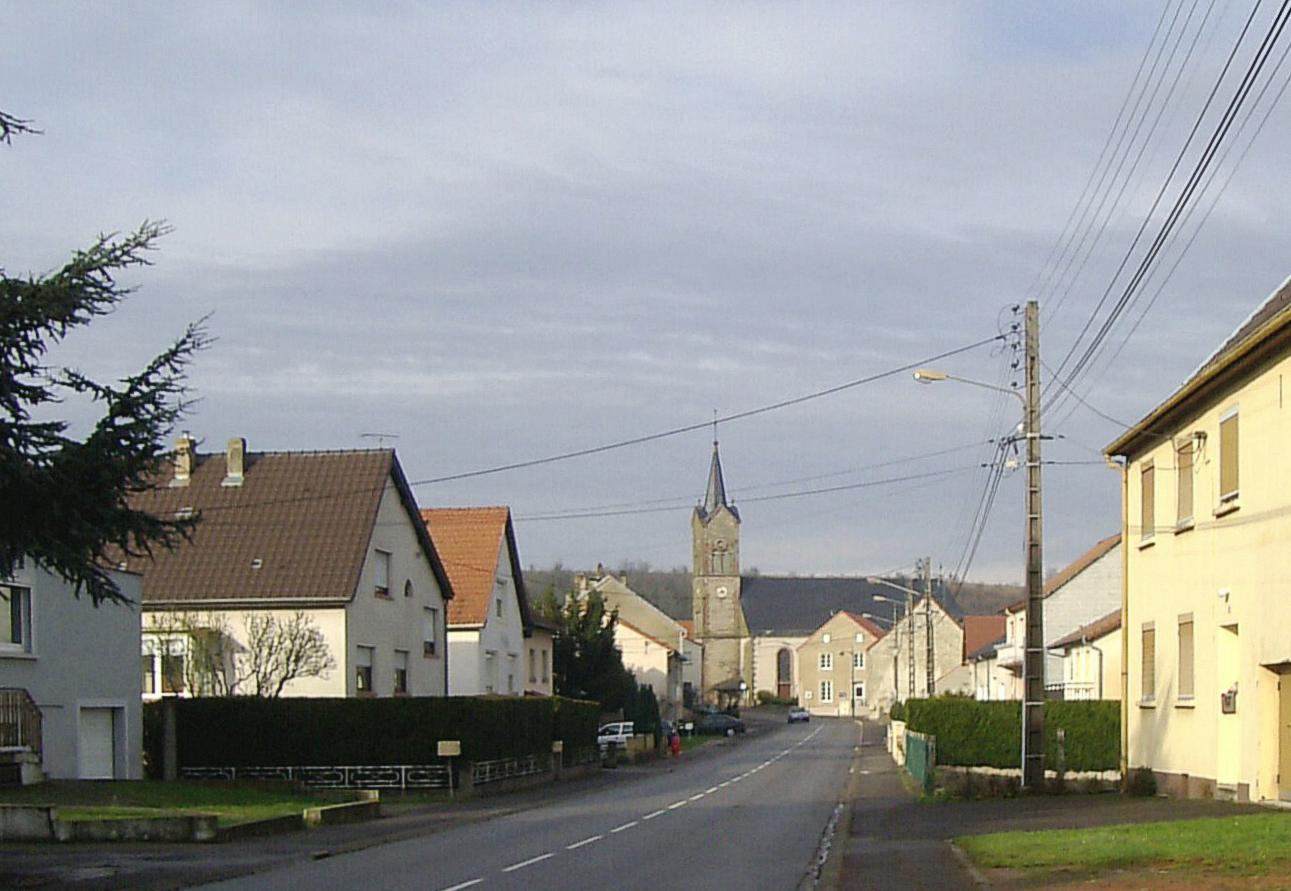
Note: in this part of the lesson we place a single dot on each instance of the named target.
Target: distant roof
(647, 635)
(1269, 318)
(1073, 569)
(297, 528)
(986, 650)
(469, 540)
(1093, 631)
(981, 631)
(797, 606)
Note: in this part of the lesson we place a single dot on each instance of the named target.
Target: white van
(615, 734)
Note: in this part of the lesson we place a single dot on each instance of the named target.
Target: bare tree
(269, 652)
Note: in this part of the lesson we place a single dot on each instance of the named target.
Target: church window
(722, 559)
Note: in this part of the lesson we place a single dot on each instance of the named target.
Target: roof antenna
(379, 437)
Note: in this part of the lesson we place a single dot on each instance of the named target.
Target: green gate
(921, 758)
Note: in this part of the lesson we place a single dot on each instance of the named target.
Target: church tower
(716, 608)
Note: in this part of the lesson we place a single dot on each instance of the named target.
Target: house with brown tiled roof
(495, 645)
(330, 542)
(1086, 589)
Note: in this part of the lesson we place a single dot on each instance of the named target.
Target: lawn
(121, 799)
(1248, 844)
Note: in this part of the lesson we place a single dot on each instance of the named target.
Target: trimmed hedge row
(251, 731)
(989, 734)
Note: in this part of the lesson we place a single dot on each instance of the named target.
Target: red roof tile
(469, 541)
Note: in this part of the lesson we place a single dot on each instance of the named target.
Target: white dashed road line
(617, 829)
(676, 804)
(696, 796)
(710, 790)
(587, 841)
(463, 885)
(653, 814)
(530, 862)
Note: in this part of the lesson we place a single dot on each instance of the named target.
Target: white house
(329, 540)
(1091, 659)
(494, 644)
(77, 664)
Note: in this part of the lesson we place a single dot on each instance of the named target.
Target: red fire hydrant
(675, 744)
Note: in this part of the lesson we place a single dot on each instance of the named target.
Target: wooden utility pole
(1033, 659)
(927, 615)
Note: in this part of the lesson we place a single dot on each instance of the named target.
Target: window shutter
(1228, 457)
(1185, 656)
(1148, 502)
(1183, 463)
(1149, 678)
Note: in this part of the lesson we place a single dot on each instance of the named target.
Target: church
(751, 627)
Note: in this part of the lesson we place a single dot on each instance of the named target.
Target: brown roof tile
(297, 528)
(1093, 631)
(469, 539)
(980, 631)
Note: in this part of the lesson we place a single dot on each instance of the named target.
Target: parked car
(798, 713)
(719, 724)
(616, 733)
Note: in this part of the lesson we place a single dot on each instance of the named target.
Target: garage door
(96, 748)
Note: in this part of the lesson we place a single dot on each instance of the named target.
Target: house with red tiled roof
(495, 645)
(324, 546)
(836, 668)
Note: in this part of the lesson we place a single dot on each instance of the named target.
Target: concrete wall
(765, 652)
(80, 657)
(1227, 569)
(948, 652)
(538, 665)
(652, 664)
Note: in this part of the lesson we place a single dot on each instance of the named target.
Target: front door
(1284, 737)
(97, 751)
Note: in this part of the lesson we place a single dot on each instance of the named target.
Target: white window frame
(381, 572)
(859, 696)
(17, 609)
(364, 683)
(430, 632)
(858, 660)
(826, 690)
(400, 664)
(826, 661)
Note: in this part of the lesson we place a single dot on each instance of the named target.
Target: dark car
(723, 725)
(798, 713)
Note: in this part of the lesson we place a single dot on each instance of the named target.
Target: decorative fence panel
(504, 769)
(921, 757)
(363, 776)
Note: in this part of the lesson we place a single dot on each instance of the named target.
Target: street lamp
(1034, 654)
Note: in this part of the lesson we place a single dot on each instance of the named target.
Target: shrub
(249, 731)
(897, 712)
(766, 697)
(574, 723)
(989, 734)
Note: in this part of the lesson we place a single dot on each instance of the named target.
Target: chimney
(185, 449)
(235, 462)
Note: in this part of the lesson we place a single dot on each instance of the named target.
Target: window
(1183, 476)
(826, 661)
(511, 673)
(147, 662)
(381, 568)
(172, 668)
(490, 672)
(1185, 657)
(497, 607)
(826, 691)
(545, 674)
(858, 660)
(1148, 669)
(363, 670)
(858, 693)
(826, 637)
(1228, 457)
(15, 620)
(1147, 502)
(430, 625)
(400, 671)
(407, 588)
(533, 666)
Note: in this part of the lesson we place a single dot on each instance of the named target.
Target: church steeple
(716, 495)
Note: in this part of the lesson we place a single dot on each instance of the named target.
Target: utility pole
(909, 620)
(1033, 659)
(927, 615)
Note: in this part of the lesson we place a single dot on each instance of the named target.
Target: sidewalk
(897, 841)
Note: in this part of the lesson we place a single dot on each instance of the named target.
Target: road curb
(828, 876)
(965, 861)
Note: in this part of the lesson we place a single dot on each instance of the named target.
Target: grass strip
(1250, 844)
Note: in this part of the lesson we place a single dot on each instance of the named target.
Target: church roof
(715, 495)
(797, 606)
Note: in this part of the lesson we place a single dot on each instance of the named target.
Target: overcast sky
(506, 231)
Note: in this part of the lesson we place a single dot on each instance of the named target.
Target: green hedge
(246, 731)
(989, 734)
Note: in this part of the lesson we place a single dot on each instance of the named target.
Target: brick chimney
(235, 458)
(185, 452)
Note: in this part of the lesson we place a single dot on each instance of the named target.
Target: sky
(500, 232)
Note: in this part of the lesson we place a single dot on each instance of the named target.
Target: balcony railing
(19, 720)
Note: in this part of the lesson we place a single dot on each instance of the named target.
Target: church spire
(715, 497)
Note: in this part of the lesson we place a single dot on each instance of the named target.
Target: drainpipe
(1125, 611)
(1085, 641)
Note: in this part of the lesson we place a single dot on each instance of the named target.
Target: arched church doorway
(784, 673)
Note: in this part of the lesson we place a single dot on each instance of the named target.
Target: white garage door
(97, 752)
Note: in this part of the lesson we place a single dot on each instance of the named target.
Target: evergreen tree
(585, 661)
(63, 500)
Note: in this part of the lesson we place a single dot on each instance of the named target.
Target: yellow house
(836, 668)
(1207, 520)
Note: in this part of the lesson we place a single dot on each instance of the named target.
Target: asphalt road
(750, 816)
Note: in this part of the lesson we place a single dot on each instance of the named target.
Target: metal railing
(921, 758)
(354, 776)
(506, 768)
(19, 720)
